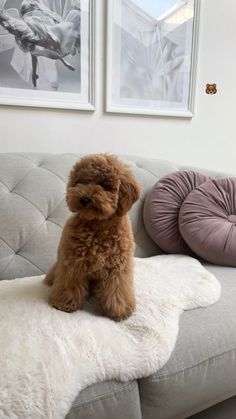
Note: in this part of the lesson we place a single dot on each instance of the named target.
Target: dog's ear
(129, 192)
(73, 175)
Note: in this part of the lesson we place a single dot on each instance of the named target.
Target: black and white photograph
(46, 53)
(151, 49)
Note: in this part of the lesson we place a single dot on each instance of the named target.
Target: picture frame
(139, 47)
(58, 72)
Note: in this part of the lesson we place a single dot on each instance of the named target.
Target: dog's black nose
(84, 200)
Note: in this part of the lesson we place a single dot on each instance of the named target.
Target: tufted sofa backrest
(33, 209)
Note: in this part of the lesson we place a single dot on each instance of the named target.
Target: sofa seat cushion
(202, 369)
(99, 400)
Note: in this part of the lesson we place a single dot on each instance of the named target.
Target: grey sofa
(200, 377)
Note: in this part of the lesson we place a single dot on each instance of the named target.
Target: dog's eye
(106, 186)
(80, 182)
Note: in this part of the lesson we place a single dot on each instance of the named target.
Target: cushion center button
(232, 218)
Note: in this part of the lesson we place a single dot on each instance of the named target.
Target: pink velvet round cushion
(207, 221)
(162, 206)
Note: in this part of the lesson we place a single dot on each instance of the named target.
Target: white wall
(209, 139)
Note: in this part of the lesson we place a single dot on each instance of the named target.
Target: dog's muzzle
(84, 201)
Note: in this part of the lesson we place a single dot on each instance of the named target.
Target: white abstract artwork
(151, 56)
(46, 53)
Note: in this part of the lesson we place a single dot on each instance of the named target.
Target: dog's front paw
(59, 305)
(121, 314)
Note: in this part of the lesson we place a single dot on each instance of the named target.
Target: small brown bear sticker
(211, 89)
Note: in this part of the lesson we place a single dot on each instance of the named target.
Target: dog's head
(101, 186)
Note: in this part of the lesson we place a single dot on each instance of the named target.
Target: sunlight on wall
(181, 16)
(156, 8)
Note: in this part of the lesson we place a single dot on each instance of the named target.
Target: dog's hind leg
(49, 278)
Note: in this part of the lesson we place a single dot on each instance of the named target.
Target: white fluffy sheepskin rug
(47, 357)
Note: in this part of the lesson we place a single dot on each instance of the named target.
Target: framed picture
(151, 56)
(47, 53)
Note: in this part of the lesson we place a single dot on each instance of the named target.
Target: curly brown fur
(96, 248)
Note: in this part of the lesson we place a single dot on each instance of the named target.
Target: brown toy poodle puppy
(95, 253)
